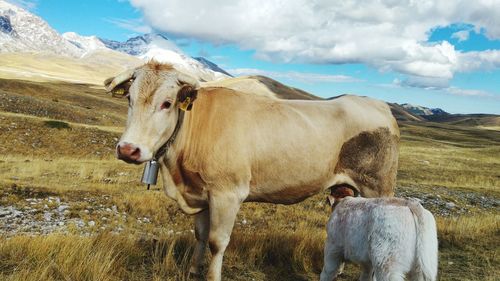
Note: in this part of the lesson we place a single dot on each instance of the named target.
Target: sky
(442, 54)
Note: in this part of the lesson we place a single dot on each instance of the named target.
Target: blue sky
(412, 77)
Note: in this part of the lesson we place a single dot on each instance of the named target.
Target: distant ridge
(421, 110)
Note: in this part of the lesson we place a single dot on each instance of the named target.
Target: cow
(219, 148)
(389, 237)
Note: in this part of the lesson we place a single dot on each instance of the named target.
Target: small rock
(47, 216)
(450, 205)
(61, 223)
(4, 213)
(62, 208)
(91, 223)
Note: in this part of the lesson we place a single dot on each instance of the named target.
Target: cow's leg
(201, 229)
(332, 262)
(223, 207)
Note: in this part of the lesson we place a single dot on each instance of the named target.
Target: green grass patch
(57, 124)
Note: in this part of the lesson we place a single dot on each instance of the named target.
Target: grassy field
(82, 215)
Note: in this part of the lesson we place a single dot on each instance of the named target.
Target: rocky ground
(36, 213)
(443, 201)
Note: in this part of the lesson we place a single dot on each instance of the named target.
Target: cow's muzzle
(128, 153)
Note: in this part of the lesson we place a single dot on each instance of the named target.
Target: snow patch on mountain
(85, 43)
(211, 65)
(421, 110)
(138, 45)
(157, 47)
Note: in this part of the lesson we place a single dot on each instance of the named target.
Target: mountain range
(22, 31)
(31, 49)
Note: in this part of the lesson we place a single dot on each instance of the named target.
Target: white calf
(389, 237)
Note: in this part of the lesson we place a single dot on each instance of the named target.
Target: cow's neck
(172, 181)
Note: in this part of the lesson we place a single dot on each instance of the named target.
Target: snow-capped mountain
(139, 45)
(211, 65)
(421, 110)
(85, 43)
(157, 47)
(22, 31)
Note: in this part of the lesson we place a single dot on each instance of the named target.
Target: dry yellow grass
(46, 67)
(268, 255)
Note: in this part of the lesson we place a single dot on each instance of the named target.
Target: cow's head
(155, 92)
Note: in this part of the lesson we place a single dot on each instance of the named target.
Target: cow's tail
(426, 258)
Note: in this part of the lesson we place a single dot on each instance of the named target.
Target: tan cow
(233, 147)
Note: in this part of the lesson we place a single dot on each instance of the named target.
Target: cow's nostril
(128, 152)
(136, 154)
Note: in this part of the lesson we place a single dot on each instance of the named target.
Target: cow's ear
(120, 84)
(186, 96)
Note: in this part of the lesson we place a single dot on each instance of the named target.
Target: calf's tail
(427, 244)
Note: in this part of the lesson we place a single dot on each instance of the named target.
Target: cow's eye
(166, 105)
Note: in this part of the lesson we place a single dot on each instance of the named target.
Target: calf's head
(156, 92)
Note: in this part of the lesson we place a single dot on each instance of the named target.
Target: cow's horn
(111, 83)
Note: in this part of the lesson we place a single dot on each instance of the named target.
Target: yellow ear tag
(119, 92)
(185, 104)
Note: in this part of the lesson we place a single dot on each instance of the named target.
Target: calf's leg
(387, 275)
(332, 262)
(223, 207)
(201, 230)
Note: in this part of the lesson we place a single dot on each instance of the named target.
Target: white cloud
(387, 34)
(440, 85)
(136, 25)
(472, 61)
(307, 77)
(468, 92)
(429, 83)
(462, 35)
